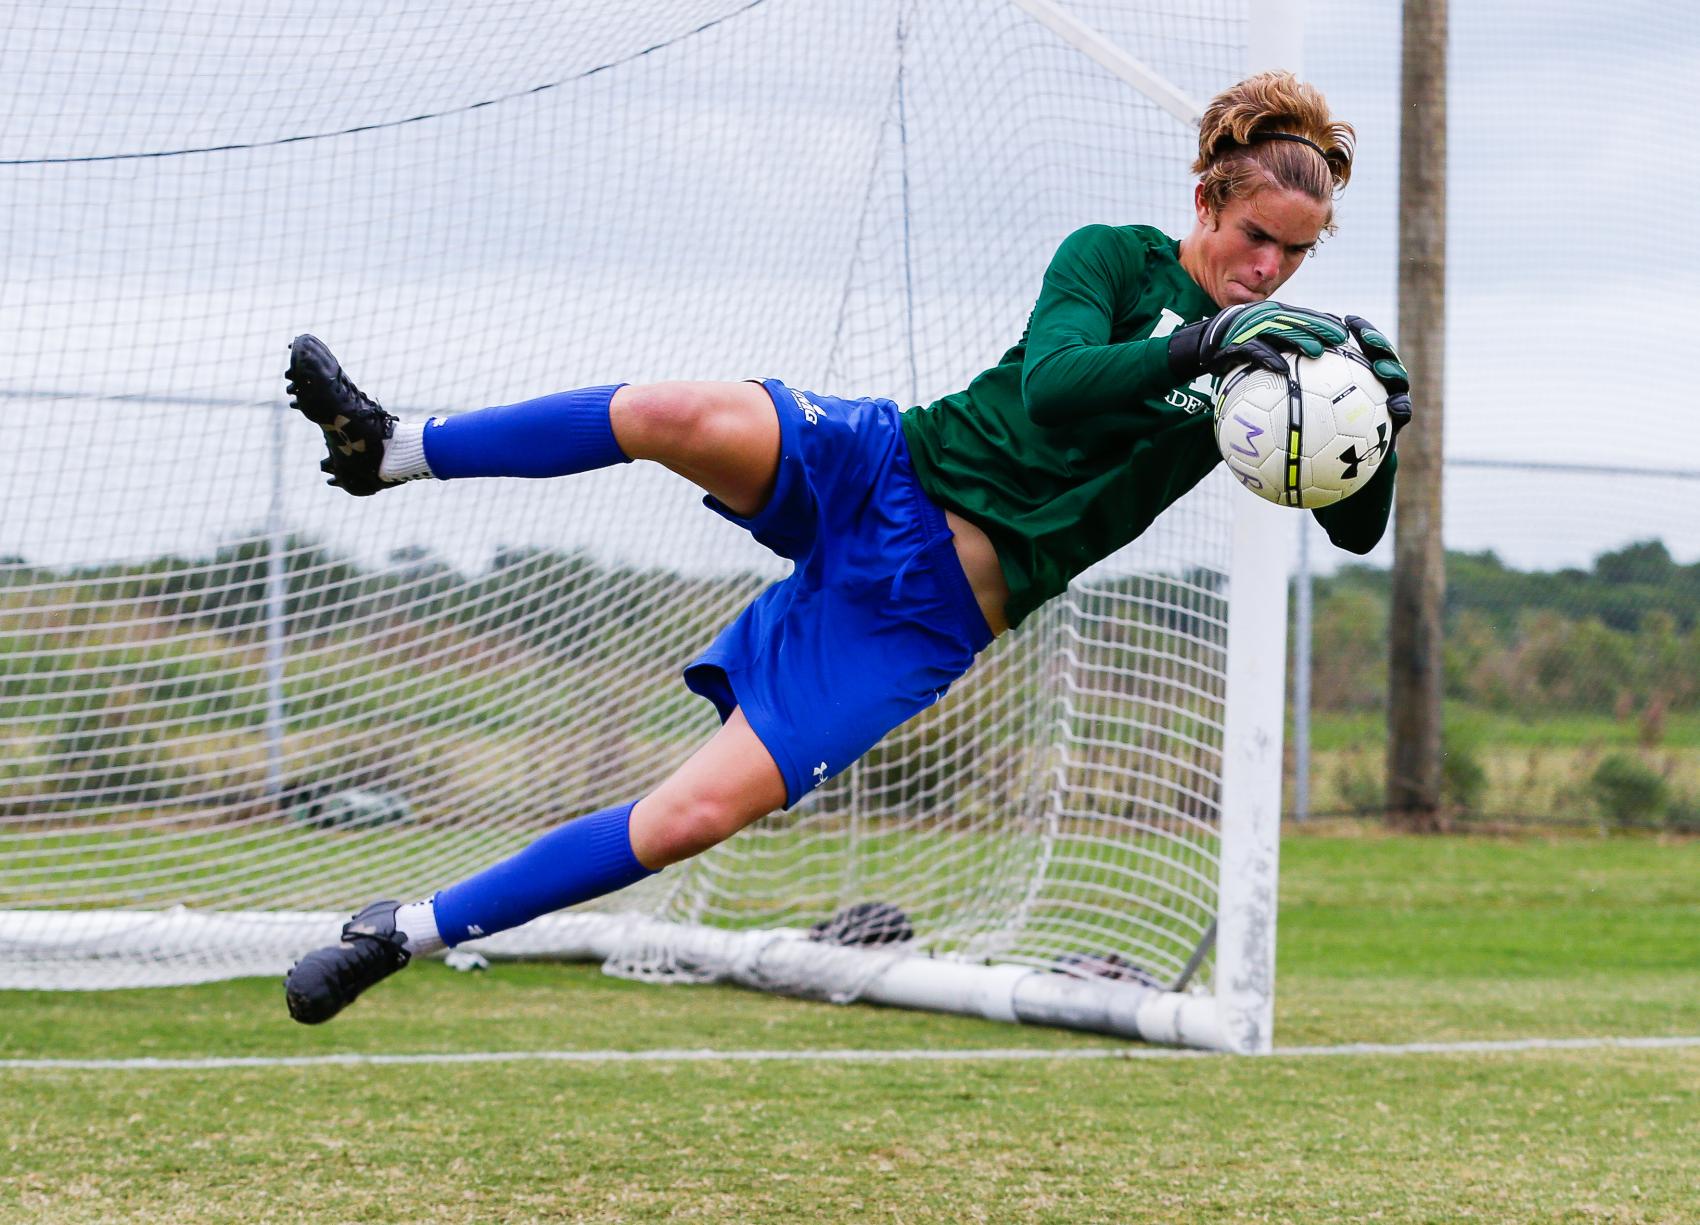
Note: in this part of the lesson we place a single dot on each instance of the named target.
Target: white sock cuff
(419, 921)
(404, 453)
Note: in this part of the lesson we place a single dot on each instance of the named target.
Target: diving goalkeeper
(917, 537)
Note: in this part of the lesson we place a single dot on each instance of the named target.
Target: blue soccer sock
(574, 863)
(551, 436)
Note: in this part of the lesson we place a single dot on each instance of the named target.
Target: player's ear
(1206, 215)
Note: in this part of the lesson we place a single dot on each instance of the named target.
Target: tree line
(1621, 637)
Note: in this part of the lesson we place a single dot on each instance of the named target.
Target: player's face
(1248, 250)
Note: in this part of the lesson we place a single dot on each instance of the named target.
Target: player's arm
(1071, 371)
(1358, 523)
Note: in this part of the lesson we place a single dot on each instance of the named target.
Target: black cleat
(327, 980)
(355, 426)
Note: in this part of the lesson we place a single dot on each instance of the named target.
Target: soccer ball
(1308, 437)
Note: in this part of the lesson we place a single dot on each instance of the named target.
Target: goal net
(236, 704)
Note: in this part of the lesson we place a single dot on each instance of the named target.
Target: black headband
(1292, 136)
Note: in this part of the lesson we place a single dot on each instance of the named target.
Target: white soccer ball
(1308, 437)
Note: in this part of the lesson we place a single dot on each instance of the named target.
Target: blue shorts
(876, 620)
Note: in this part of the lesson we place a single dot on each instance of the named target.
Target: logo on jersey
(1195, 397)
(1192, 398)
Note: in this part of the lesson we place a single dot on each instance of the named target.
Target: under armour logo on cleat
(820, 773)
(472, 929)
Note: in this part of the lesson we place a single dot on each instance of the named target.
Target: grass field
(1382, 940)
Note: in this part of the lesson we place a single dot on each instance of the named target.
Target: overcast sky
(1572, 317)
(729, 200)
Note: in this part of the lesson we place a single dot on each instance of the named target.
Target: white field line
(989, 1055)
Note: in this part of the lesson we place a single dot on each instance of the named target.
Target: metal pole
(277, 592)
(1301, 677)
(1102, 51)
(908, 250)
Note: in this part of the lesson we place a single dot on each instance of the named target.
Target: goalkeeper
(916, 537)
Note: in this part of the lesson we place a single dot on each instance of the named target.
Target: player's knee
(662, 420)
(678, 827)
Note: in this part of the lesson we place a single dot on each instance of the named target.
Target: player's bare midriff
(980, 563)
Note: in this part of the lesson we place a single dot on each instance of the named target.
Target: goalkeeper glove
(1385, 363)
(1256, 332)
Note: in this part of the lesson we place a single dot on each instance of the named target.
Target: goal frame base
(93, 949)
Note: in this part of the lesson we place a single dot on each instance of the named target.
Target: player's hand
(1387, 367)
(1258, 332)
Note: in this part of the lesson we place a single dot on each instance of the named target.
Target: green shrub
(1359, 780)
(1682, 813)
(1628, 791)
(1463, 780)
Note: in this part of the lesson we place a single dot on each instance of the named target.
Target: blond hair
(1238, 155)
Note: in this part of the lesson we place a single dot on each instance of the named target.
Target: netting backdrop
(229, 688)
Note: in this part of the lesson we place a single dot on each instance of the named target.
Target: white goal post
(235, 705)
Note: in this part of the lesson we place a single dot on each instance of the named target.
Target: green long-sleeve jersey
(1080, 436)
